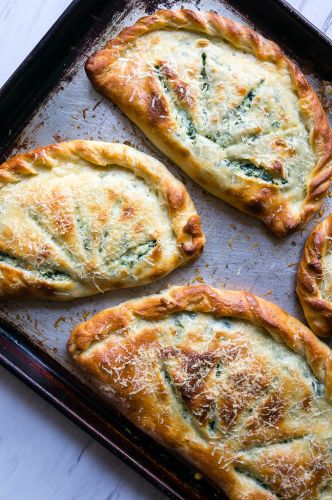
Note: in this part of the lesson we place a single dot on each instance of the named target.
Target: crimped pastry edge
(318, 312)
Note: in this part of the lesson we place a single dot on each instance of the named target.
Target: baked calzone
(231, 382)
(82, 217)
(227, 106)
(314, 278)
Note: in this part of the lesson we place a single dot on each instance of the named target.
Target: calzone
(83, 217)
(227, 106)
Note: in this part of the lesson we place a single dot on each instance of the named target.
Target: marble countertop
(42, 454)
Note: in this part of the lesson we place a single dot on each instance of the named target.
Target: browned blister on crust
(314, 279)
(227, 106)
(229, 381)
(84, 217)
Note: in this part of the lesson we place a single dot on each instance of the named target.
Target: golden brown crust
(149, 111)
(127, 349)
(310, 277)
(42, 225)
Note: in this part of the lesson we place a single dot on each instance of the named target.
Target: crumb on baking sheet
(86, 314)
(57, 137)
(58, 321)
(97, 104)
(198, 278)
(36, 326)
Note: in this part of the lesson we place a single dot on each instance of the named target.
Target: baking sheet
(239, 254)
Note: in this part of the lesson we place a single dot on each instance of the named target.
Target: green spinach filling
(206, 84)
(12, 261)
(249, 169)
(42, 271)
(167, 377)
(177, 398)
(84, 232)
(185, 118)
(212, 426)
(226, 323)
(224, 138)
(133, 255)
(254, 478)
(53, 274)
(235, 117)
(245, 105)
(213, 420)
(318, 388)
(218, 369)
(180, 318)
(56, 240)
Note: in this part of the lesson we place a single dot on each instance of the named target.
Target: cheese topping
(238, 115)
(232, 389)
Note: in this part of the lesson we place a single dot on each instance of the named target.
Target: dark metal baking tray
(50, 99)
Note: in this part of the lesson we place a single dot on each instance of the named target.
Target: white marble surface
(43, 456)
